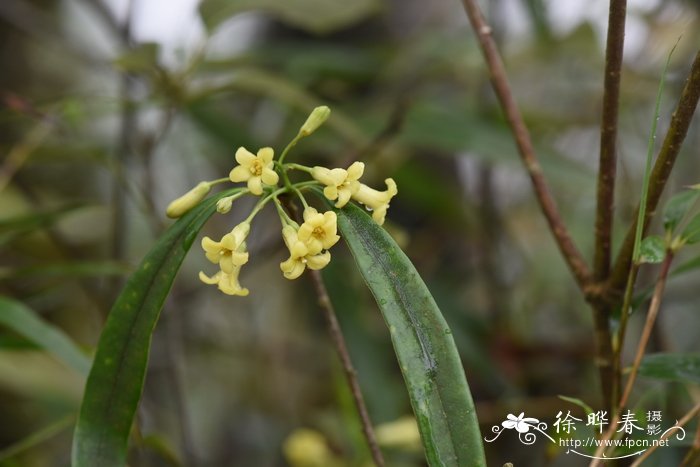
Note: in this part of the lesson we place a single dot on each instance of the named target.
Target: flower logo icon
(521, 423)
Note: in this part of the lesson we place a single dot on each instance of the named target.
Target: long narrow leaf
(25, 322)
(422, 341)
(116, 379)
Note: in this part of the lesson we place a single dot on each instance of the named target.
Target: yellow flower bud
(224, 204)
(318, 116)
(187, 201)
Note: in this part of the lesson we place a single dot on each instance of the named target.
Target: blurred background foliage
(103, 121)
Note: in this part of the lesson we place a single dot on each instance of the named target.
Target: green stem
(286, 220)
(219, 181)
(303, 168)
(291, 144)
(301, 197)
(261, 204)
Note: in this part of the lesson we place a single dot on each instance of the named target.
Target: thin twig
(326, 305)
(499, 81)
(680, 423)
(680, 122)
(619, 342)
(608, 139)
(641, 349)
(693, 457)
(648, 326)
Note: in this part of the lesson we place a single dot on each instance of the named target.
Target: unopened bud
(315, 120)
(224, 204)
(187, 201)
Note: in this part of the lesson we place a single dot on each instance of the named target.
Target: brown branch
(326, 305)
(608, 139)
(499, 81)
(680, 122)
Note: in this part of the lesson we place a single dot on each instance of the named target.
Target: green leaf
(672, 367)
(691, 233)
(115, 383)
(690, 265)
(316, 16)
(677, 207)
(587, 408)
(25, 322)
(652, 250)
(422, 341)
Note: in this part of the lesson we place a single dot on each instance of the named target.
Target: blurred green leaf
(652, 250)
(12, 227)
(260, 82)
(317, 16)
(115, 382)
(453, 128)
(672, 367)
(687, 266)
(25, 322)
(143, 57)
(422, 341)
(70, 269)
(37, 437)
(691, 233)
(677, 207)
(587, 408)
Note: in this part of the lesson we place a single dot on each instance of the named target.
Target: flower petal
(322, 174)
(331, 192)
(266, 155)
(338, 176)
(343, 196)
(244, 157)
(318, 261)
(356, 170)
(209, 280)
(292, 268)
(255, 185)
(270, 177)
(239, 174)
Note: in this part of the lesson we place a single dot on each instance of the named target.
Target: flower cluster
(308, 243)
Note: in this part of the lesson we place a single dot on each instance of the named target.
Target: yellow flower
(376, 201)
(230, 254)
(227, 283)
(299, 256)
(255, 169)
(340, 184)
(318, 232)
(187, 201)
(230, 251)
